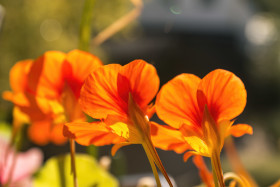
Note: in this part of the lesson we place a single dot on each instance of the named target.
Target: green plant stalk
(217, 170)
(93, 151)
(85, 27)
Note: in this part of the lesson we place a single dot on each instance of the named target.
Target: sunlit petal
(96, 133)
(176, 102)
(224, 94)
(99, 94)
(168, 138)
(241, 129)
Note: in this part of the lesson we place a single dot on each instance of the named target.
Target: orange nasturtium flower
(203, 110)
(47, 91)
(119, 96)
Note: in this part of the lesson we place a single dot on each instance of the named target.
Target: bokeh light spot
(260, 30)
(50, 30)
(175, 10)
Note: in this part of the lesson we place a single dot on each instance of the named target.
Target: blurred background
(176, 36)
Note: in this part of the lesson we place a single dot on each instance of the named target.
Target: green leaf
(56, 173)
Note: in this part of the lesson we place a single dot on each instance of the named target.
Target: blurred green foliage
(31, 27)
(57, 173)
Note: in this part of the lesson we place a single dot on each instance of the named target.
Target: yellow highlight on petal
(198, 145)
(121, 129)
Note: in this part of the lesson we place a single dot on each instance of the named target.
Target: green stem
(85, 27)
(73, 162)
(217, 170)
(152, 163)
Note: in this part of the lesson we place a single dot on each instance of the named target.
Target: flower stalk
(73, 162)
(217, 169)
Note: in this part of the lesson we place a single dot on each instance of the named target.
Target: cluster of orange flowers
(53, 91)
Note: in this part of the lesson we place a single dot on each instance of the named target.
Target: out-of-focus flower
(55, 173)
(16, 169)
(119, 96)
(203, 110)
(47, 91)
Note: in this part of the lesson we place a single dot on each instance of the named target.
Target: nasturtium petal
(106, 90)
(168, 138)
(45, 76)
(57, 173)
(176, 102)
(18, 75)
(143, 82)
(241, 129)
(224, 94)
(95, 133)
(18, 83)
(77, 66)
(99, 94)
(39, 132)
(56, 135)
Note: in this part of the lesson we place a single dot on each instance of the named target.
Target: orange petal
(168, 138)
(106, 90)
(36, 108)
(176, 101)
(99, 95)
(18, 75)
(143, 82)
(224, 94)
(39, 132)
(17, 98)
(241, 129)
(204, 173)
(71, 105)
(77, 66)
(95, 133)
(18, 83)
(56, 135)
(45, 77)
(188, 154)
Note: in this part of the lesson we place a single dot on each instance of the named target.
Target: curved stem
(233, 176)
(217, 169)
(73, 162)
(236, 163)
